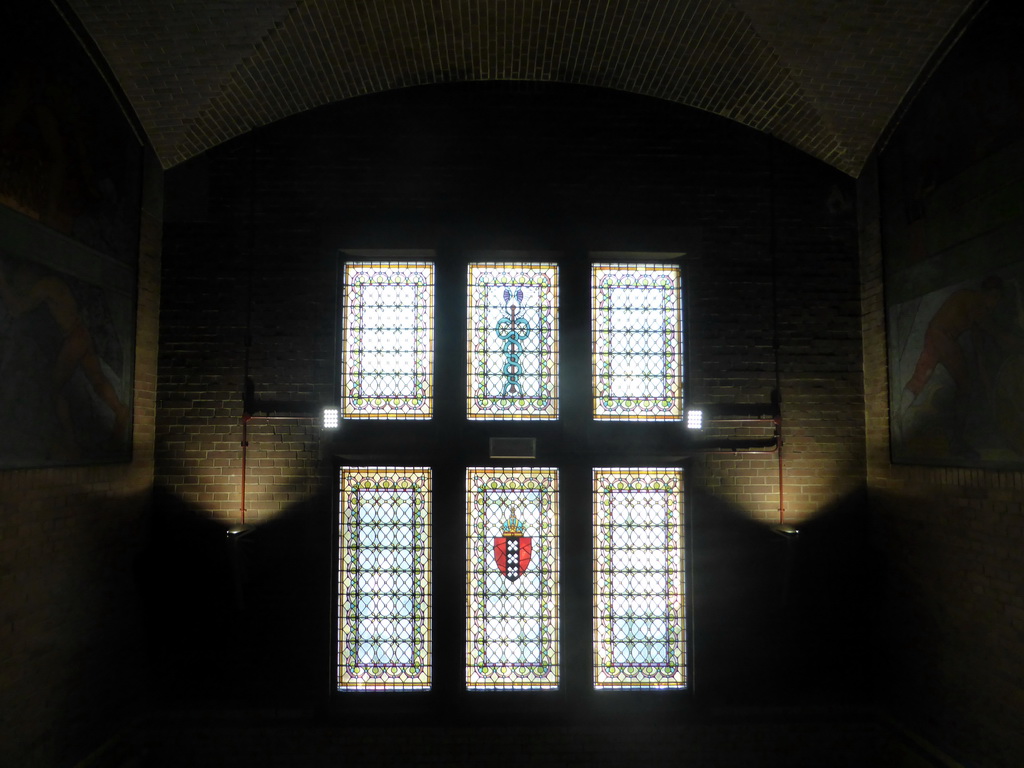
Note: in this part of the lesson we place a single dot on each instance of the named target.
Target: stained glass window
(639, 598)
(384, 579)
(512, 621)
(387, 358)
(637, 338)
(513, 341)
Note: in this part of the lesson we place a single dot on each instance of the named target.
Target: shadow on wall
(237, 619)
(776, 621)
(783, 621)
(90, 670)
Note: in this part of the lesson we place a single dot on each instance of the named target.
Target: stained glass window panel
(384, 579)
(512, 613)
(387, 358)
(639, 598)
(637, 340)
(513, 341)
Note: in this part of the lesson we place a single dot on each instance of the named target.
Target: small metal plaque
(513, 447)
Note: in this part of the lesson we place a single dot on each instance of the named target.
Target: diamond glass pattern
(512, 612)
(388, 349)
(639, 600)
(637, 338)
(384, 579)
(513, 341)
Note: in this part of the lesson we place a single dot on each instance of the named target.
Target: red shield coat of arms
(512, 551)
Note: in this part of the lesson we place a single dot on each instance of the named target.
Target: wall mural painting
(70, 191)
(957, 373)
(67, 329)
(951, 182)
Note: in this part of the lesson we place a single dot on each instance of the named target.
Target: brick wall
(252, 234)
(949, 538)
(433, 167)
(248, 285)
(72, 667)
(72, 663)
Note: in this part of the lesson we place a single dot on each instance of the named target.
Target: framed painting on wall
(956, 368)
(70, 201)
(951, 183)
(67, 344)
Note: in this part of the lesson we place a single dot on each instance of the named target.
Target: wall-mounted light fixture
(785, 530)
(331, 418)
(694, 418)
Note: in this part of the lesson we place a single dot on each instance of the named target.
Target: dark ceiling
(827, 76)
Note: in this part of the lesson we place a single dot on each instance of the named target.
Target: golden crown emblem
(513, 527)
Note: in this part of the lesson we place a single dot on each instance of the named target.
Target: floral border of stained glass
(367, 397)
(612, 605)
(357, 546)
(489, 585)
(512, 341)
(645, 406)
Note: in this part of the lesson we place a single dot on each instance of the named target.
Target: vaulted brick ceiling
(827, 76)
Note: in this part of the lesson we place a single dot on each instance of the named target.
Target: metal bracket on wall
(740, 413)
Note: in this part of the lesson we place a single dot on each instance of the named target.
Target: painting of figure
(951, 192)
(66, 350)
(957, 355)
(70, 200)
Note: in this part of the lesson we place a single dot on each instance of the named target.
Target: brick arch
(822, 76)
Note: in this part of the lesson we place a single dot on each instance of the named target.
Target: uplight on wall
(694, 418)
(330, 418)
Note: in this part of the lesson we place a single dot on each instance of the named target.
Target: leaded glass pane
(513, 341)
(384, 579)
(387, 358)
(637, 337)
(512, 621)
(639, 599)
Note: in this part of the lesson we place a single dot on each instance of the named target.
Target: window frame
(575, 444)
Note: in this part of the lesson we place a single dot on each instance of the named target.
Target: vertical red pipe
(773, 254)
(247, 340)
(778, 450)
(245, 446)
